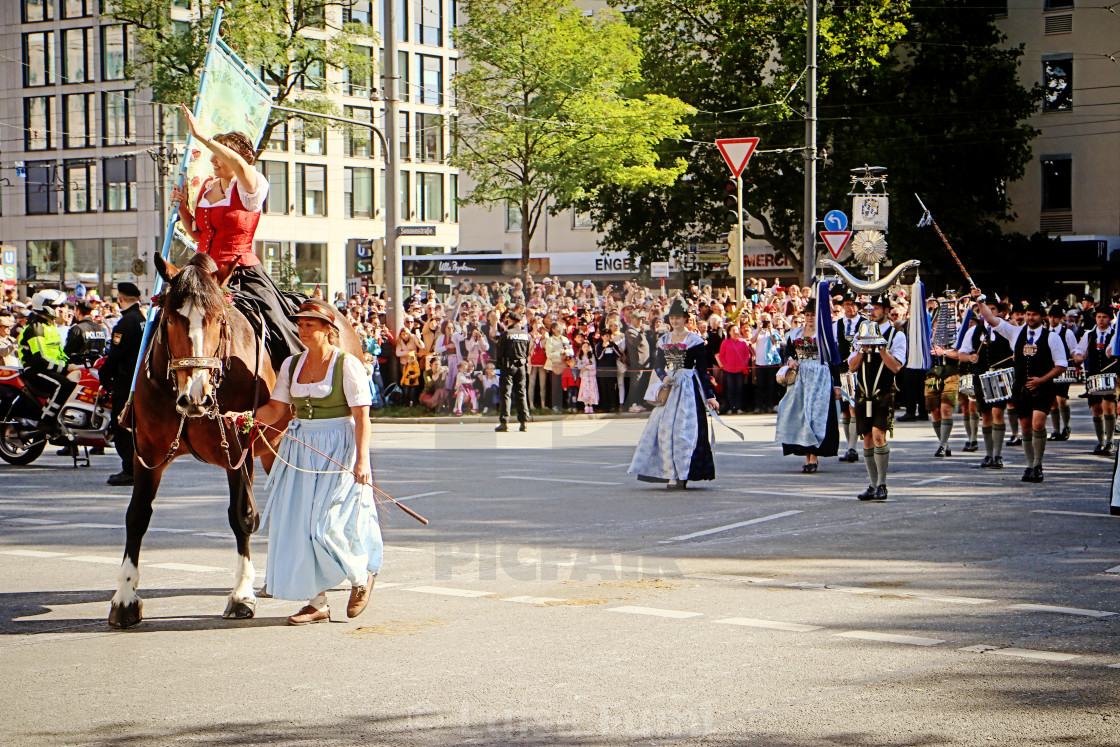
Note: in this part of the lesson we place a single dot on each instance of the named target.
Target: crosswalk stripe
(445, 591)
(187, 567)
(909, 640)
(1063, 610)
(1023, 653)
(33, 553)
(655, 612)
(770, 624)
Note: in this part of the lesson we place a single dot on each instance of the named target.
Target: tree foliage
(547, 116)
(293, 43)
(925, 91)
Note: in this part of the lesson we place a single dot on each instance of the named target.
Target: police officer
(513, 359)
(875, 389)
(42, 357)
(117, 371)
(86, 341)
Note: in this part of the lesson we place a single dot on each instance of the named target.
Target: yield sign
(836, 241)
(737, 151)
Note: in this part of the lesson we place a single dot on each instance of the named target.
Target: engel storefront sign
(578, 264)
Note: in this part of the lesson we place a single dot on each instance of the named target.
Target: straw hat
(314, 308)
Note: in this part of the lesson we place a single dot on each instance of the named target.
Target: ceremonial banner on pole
(234, 99)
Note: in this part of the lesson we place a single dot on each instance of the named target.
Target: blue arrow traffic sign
(836, 221)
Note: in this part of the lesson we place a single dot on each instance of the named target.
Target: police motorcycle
(84, 419)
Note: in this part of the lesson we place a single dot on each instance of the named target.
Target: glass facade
(75, 56)
(119, 176)
(358, 186)
(118, 122)
(311, 189)
(38, 59)
(79, 177)
(38, 116)
(114, 51)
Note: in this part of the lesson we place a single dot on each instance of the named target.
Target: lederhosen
(1097, 362)
(942, 380)
(1062, 389)
(875, 390)
(1041, 399)
(992, 354)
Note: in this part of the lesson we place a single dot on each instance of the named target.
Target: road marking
(778, 492)
(1063, 610)
(531, 600)
(1023, 653)
(615, 466)
(33, 522)
(215, 535)
(422, 495)
(1113, 569)
(187, 567)
(655, 612)
(95, 559)
(443, 590)
(1114, 666)
(556, 479)
(1073, 513)
(959, 600)
(620, 568)
(909, 640)
(33, 553)
(770, 624)
(727, 527)
(95, 526)
(933, 479)
(170, 531)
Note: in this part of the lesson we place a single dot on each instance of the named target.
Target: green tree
(285, 40)
(547, 112)
(926, 91)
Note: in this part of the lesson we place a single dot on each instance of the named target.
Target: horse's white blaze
(126, 585)
(245, 576)
(198, 381)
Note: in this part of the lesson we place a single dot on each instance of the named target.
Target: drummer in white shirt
(1095, 352)
(1059, 414)
(1039, 357)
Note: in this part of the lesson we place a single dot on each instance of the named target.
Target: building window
(406, 197)
(41, 195)
(427, 22)
(75, 56)
(44, 261)
(1057, 4)
(79, 186)
(358, 139)
(119, 254)
(1057, 84)
(118, 121)
(360, 12)
(114, 51)
(38, 10)
(311, 189)
(310, 137)
(513, 218)
(429, 191)
(311, 263)
(38, 59)
(359, 78)
(453, 198)
(358, 186)
(402, 134)
(120, 184)
(277, 174)
(315, 78)
(454, 7)
(582, 221)
(182, 4)
(431, 80)
(429, 137)
(77, 8)
(278, 138)
(402, 74)
(1057, 182)
(37, 120)
(313, 15)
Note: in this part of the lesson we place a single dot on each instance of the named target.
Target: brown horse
(204, 359)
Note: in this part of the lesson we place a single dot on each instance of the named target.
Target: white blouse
(252, 201)
(355, 382)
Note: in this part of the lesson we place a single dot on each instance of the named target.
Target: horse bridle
(216, 363)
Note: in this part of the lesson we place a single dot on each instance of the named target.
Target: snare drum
(1072, 375)
(967, 385)
(848, 387)
(997, 384)
(1104, 383)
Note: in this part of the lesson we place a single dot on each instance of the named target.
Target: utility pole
(737, 245)
(809, 251)
(394, 268)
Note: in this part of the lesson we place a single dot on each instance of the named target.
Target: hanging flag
(827, 348)
(918, 330)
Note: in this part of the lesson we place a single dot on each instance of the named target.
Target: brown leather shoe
(359, 598)
(309, 615)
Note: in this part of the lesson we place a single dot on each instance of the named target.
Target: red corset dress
(226, 231)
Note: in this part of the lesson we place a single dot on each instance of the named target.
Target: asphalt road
(555, 600)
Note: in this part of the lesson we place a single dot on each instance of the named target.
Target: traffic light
(735, 268)
(731, 202)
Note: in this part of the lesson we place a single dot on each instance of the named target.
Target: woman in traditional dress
(322, 520)
(223, 224)
(807, 424)
(674, 446)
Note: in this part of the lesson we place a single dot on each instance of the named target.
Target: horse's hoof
(240, 610)
(126, 615)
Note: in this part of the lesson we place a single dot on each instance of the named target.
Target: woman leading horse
(204, 359)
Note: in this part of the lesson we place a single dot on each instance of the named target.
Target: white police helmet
(44, 302)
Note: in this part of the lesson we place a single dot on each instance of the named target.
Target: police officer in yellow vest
(44, 362)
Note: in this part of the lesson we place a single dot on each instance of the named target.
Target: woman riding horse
(223, 224)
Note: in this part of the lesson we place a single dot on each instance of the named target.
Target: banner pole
(169, 229)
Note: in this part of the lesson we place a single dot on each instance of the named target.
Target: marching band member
(1059, 414)
(807, 412)
(845, 329)
(1094, 352)
(875, 388)
(1039, 358)
(983, 350)
(942, 384)
(1015, 316)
